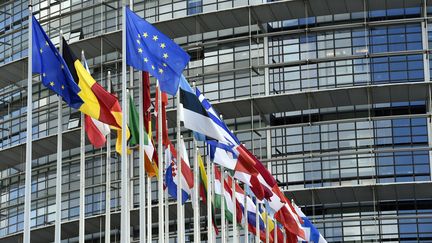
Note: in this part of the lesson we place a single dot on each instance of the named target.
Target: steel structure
(334, 96)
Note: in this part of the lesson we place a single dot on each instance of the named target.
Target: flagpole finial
(221, 116)
(181, 136)
(193, 84)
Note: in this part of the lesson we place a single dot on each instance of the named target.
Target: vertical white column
(149, 210)
(82, 183)
(209, 197)
(246, 231)
(160, 170)
(124, 222)
(142, 195)
(166, 216)
(257, 224)
(29, 117)
(82, 177)
(233, 186)
(180, 232)
(131, 159)
(108, 179)
(196, 205)
(267, 232)
(223, 220)
(57, 231)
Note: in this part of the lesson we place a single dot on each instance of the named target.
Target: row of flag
(153, 53)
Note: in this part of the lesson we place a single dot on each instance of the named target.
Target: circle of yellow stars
(51, 83)
(161, 45)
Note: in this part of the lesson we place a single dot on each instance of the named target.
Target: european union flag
(50, 65)
(147, 49)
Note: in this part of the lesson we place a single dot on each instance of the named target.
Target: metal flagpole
(125, 224)
(82, 178)
(160, 169)
(142, 228)
(209, 204)
(223, 221)
(246, 231)
(285, 236)
(28, 163)
(235, 240)
(149, 210)
(257, 225)
(275, 232)
(57, 233)
(196, 205)
(180, 233)
(166, 207)
(197, 219)
(131, 156)
(267, 229)
(167, 218)
(108, 179)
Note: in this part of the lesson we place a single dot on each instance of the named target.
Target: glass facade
(359, 146)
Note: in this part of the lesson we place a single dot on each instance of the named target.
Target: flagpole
(149, 210)
(267, 228)
(235, 240)
(246, 231)
(209, 204)
(108, 179)
(131, 159)
(142, 228)
(196, 205)
(196, 198)
(160, 169)
(275, 232)
(284, 236)
(257, 225)
(167, 218)
(223, 179)
(125, 224)
(82, 178)
(223, 222)
(28, 164)
(179, 174)
(57, 233)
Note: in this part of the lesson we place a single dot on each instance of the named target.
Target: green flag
(133, 123)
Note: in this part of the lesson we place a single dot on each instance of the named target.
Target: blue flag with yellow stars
(147, 49)
(51, 66)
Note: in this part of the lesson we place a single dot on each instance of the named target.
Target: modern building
(334, 96)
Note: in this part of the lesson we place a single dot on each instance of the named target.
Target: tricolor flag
(248, 169)
(150, 158)
(96, 130)
(133, 123)
(226, 198)
(195, 117)
(172, 173)
(250, 210)
(98, 103)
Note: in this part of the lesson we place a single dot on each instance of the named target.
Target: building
(335, 96)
